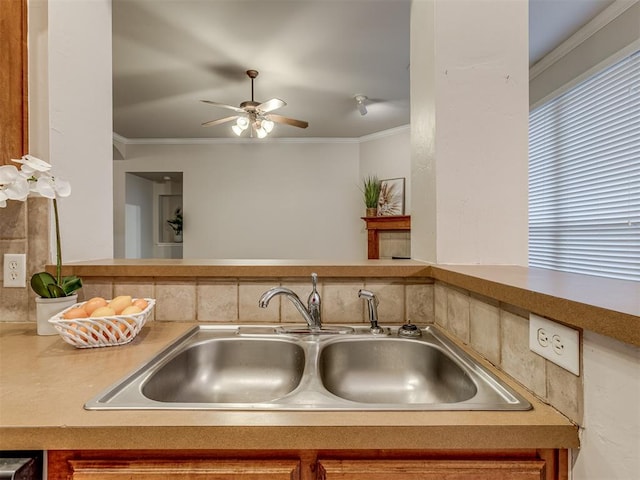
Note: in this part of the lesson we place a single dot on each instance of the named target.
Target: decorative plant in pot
(176, 224)
(371, 192)
(55, 293)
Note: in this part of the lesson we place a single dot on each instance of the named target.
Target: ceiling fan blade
(219, 121)
(222, 105)
(289, 121)
(271, 105)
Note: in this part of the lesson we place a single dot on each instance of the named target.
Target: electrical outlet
(555, 342)
(15, 270)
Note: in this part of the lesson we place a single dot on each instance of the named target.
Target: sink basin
(228, 370)
(393, 371)
(226, 367)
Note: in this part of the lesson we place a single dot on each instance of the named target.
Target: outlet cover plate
(562, 347)
(15, 270)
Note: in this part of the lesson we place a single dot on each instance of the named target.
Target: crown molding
(220, 141)
(589, 29)
(384, 133)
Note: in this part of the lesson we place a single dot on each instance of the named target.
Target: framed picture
(391, 200)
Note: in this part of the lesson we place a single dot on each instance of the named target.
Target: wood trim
(557, 463)
(14, 114)
(25, 77)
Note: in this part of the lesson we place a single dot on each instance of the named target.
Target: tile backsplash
(500, 333)
(236, 299)
(23, 229)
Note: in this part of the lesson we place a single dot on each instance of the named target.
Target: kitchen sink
(228, 370)
(395, 371)
(224, 367)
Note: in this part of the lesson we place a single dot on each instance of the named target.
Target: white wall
(610, 441)
(80, 123)
(263, 200)
(272, 199)
(469, 87)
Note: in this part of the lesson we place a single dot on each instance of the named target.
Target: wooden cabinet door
(524, 469)
(184, 469)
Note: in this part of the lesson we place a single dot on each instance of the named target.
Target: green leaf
(40, 282)
(70, 284)
(55, 291)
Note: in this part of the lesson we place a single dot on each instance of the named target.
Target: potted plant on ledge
(371, 192)
(34, 178)
(176, 225)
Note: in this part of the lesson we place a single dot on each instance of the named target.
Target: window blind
(584, 176)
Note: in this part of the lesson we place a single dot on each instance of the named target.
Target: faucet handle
(314, 280)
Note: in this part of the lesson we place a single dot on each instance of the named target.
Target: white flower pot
(47, 308)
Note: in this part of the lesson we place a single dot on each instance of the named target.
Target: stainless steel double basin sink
(265, 368)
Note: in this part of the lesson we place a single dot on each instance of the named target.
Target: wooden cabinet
(308, 465)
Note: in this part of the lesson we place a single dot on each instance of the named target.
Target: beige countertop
(44, 383)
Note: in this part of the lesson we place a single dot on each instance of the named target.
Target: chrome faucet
(372, 304)
(311, 314)
(314, 303)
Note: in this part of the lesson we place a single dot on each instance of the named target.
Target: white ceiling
(313, 54)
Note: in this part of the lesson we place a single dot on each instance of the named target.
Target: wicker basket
(101, 331)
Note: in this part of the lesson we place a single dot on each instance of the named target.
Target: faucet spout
(269, 294)
(372, 304)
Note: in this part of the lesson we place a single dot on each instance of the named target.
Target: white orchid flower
(34, 176)
(8, 174)
(13, 185)
(50, 187)
(31, 164)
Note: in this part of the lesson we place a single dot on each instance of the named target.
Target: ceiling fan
(253, 114)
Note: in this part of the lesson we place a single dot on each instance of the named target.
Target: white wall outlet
(15, 270)
(555, 342)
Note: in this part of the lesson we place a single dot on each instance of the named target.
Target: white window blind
(584, 176)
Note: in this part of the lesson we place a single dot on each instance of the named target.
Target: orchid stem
(58, 247)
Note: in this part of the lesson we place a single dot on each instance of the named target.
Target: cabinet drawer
(184, 469)
(524, 469)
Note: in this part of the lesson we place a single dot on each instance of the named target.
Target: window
(584, 176)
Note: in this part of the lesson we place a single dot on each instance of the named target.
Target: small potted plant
(176, 225)
(371, 192)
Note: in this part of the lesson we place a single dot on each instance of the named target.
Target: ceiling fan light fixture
(261, 132)
(360, 99)
(242, 122)
(254, 116)
(267, 125)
